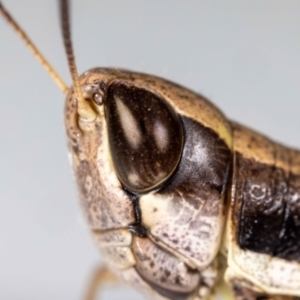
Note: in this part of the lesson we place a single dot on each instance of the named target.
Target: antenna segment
(33, 49)
(84, 110)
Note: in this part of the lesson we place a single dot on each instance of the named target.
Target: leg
(101, 277)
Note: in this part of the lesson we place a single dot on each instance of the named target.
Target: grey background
(243, 55)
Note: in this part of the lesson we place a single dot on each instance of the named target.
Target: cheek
(186, 216)
(187, 232)
(104, 202)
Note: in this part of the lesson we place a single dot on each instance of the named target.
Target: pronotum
(260, 80)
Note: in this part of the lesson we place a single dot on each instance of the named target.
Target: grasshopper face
(255, 83)
(154, 167)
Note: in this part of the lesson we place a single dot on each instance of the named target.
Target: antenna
(33, 49)
(84, 110)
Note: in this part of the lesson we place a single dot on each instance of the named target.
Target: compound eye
(145, 136)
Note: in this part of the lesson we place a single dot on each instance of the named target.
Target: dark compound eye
(145, 136)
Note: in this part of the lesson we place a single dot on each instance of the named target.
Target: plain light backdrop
(243, 55)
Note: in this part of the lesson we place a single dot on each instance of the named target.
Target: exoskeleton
(169, 186)
(177, 196)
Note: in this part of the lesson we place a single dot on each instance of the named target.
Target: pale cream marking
(128, 123)
(230, 275)
(199, 246)
(161, 135)
(134, 178)
(271, 274)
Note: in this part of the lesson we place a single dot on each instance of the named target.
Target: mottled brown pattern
(163, 271)
(118, 257)
(197, 190)
(185, 216)
(105, 206)
(136, 281)
(112, 238)
(191, 221)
